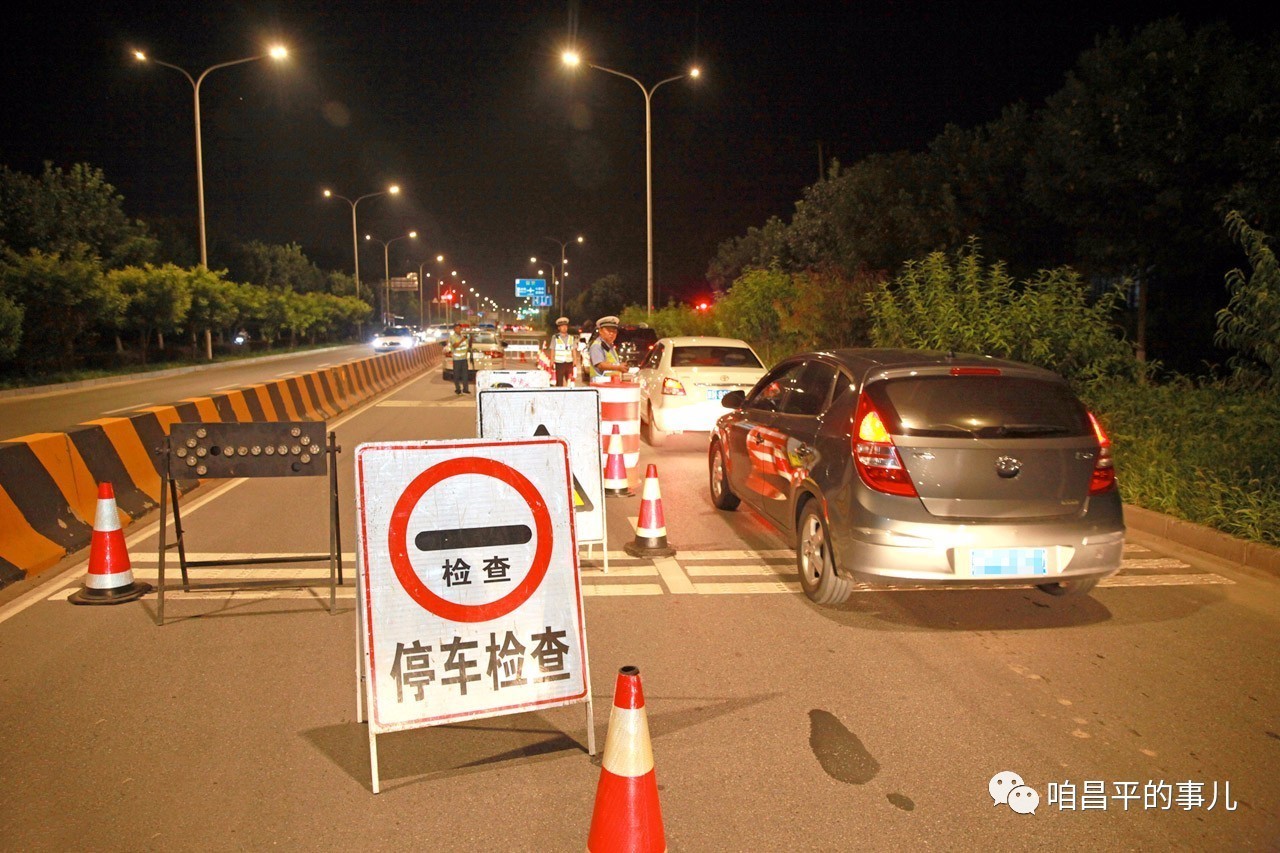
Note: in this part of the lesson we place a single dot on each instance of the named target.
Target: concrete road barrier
(49, 481)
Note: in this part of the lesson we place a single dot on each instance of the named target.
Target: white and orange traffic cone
(627, 816)
(651, 528)
(110, 577)
(615, 469)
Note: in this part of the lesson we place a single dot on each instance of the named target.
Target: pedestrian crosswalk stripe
(722, 572)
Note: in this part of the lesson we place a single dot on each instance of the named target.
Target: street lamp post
(560, 283)
(422, 294)
(572, 59)
(277, 52)
(355, 233)
(386, 265)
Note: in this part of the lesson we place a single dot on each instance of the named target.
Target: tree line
(1121, 184)
(78, 279)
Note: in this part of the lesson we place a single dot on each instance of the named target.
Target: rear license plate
(717, 393)
(1012, 562)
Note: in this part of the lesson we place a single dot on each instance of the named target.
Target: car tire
(721, 495)
(653, 435)
(1073, 588)
(815, 561)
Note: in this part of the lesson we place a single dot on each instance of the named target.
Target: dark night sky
(496, 146)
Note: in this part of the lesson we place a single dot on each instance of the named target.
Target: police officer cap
(562, 321)
(607, 322)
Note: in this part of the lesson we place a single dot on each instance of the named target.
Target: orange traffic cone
(627, 816)
(615, 469)
(110, 577)
(651, 529)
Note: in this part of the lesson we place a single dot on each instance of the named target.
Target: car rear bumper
(687, 415)
(969, 553)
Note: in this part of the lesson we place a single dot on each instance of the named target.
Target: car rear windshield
(980, 407)
(713, 356)
(484, 338)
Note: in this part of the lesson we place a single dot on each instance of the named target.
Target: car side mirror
(733, 400)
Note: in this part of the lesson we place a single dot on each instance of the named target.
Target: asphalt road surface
(1144, 716)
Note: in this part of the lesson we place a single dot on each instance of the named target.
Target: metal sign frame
(234, 450)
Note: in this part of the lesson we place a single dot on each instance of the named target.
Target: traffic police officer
(460, 352)
(564, 352)
(602, 357)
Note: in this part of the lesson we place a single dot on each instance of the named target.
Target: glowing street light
(277, 52)
(572, 59)
(355, 239)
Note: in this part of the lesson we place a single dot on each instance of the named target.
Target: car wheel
(1082, 586)
(815, 560)
(653, 435)
(721, 495)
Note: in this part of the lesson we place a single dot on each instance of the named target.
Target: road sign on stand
(470, 600)
(572, 413)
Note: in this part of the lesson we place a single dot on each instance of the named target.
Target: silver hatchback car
(906, 466)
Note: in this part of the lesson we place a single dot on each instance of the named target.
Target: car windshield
(484, 338)
(396, 332)
(982, 407)
(713, 356)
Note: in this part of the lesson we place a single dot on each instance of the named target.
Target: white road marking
(1153, 563)
(739, 569)
(689, 571)
(673, 576)
(132, 408)
(604, 590)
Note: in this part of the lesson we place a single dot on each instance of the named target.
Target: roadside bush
(1204, 452)
(672, 321)
(1250, 324)
(941, 303)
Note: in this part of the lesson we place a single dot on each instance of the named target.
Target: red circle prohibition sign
(398, 539)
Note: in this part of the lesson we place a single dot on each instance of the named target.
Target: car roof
(861, 361)
(703, 341)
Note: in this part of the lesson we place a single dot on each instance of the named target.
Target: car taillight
(672, 387)
(874, 455)
(1104, 469)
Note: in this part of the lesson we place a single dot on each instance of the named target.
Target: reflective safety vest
(562, 348)
(459, 346)
(601, 353)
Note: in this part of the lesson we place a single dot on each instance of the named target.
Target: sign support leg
(373, 759)
(164, 525)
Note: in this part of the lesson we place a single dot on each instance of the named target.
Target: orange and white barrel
(620, 407)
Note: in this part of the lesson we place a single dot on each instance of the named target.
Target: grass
(1205, 452)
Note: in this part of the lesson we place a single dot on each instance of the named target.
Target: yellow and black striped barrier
(49, 481)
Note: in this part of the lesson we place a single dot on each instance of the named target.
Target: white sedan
(394, 338)
(684, 378)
